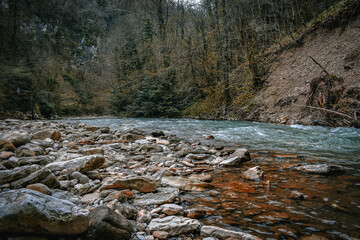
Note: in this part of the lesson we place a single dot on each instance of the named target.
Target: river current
(286, 204)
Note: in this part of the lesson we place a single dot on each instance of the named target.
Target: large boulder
(237, 158)
(81, 164)
(29, 211)
(17, 138)
(141, 184)
(44, 176)
(17, 173)
(49, 133)
(106, 224)
(174, 225)
(220, 233)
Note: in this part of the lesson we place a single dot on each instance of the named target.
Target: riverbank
(80, 181)
(64, 180)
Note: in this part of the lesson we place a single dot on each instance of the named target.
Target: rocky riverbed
(74, 181)
(83, 182)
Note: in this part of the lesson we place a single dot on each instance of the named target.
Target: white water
(329, 144)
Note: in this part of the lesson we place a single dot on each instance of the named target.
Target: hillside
(322, 73)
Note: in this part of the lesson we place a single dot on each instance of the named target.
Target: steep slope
(322, 73)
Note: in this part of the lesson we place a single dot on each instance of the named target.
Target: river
(287, 204)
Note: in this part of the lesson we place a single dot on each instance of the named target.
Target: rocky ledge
(65, 181)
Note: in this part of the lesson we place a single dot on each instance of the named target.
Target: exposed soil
(324, 72)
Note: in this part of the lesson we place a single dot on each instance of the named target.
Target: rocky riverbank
(62, 181)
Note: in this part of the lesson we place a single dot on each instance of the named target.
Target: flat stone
(163, 195)
(17, 173)
(172, 209)
(162, 235)
(29, 211)
(140, 184)
(90, 198)
(220, 233)
(322, 169)
(44, 176)
(81, 164)
(185, 184)
(174, 225)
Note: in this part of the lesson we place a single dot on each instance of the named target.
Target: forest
(146, 58)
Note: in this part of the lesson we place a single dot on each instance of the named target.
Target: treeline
(144, 58)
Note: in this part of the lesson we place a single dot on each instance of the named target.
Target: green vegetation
(158, 58)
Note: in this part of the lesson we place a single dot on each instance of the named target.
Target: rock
(81, 164)
(11, 163)
(172, 209)
(92, 151)
(130, 137)
(29, 150)
(104, 129)
(52, 134)
(7, 146)
(40, 160)
(220, 233)
(143, 216)
(198, 156)
(127, 210)
(92, 129)
(17, 173)
(2, 167)
(140, 184)
(231, 162)
(322, 169)
(163, 195)
(40, 188)
(17, 138)
(184, 184)
(29, 211)
(162, 142)
(46, 143)
(90, 198)
(174, 225)
(242, 153)
(195, 213)
(162, 235)
(80, 177)
(157, 134)
(106, 224)
(44, 176)
(94, 175)
(6, 155)
(254, 173)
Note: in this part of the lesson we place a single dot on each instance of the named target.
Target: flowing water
(286, 204)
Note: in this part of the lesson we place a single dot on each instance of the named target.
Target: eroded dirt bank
(321, 73)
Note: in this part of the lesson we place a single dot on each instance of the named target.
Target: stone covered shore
(66, 181)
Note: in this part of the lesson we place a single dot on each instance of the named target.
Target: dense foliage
(143, 58)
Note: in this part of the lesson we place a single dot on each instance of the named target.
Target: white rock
(174, 225)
